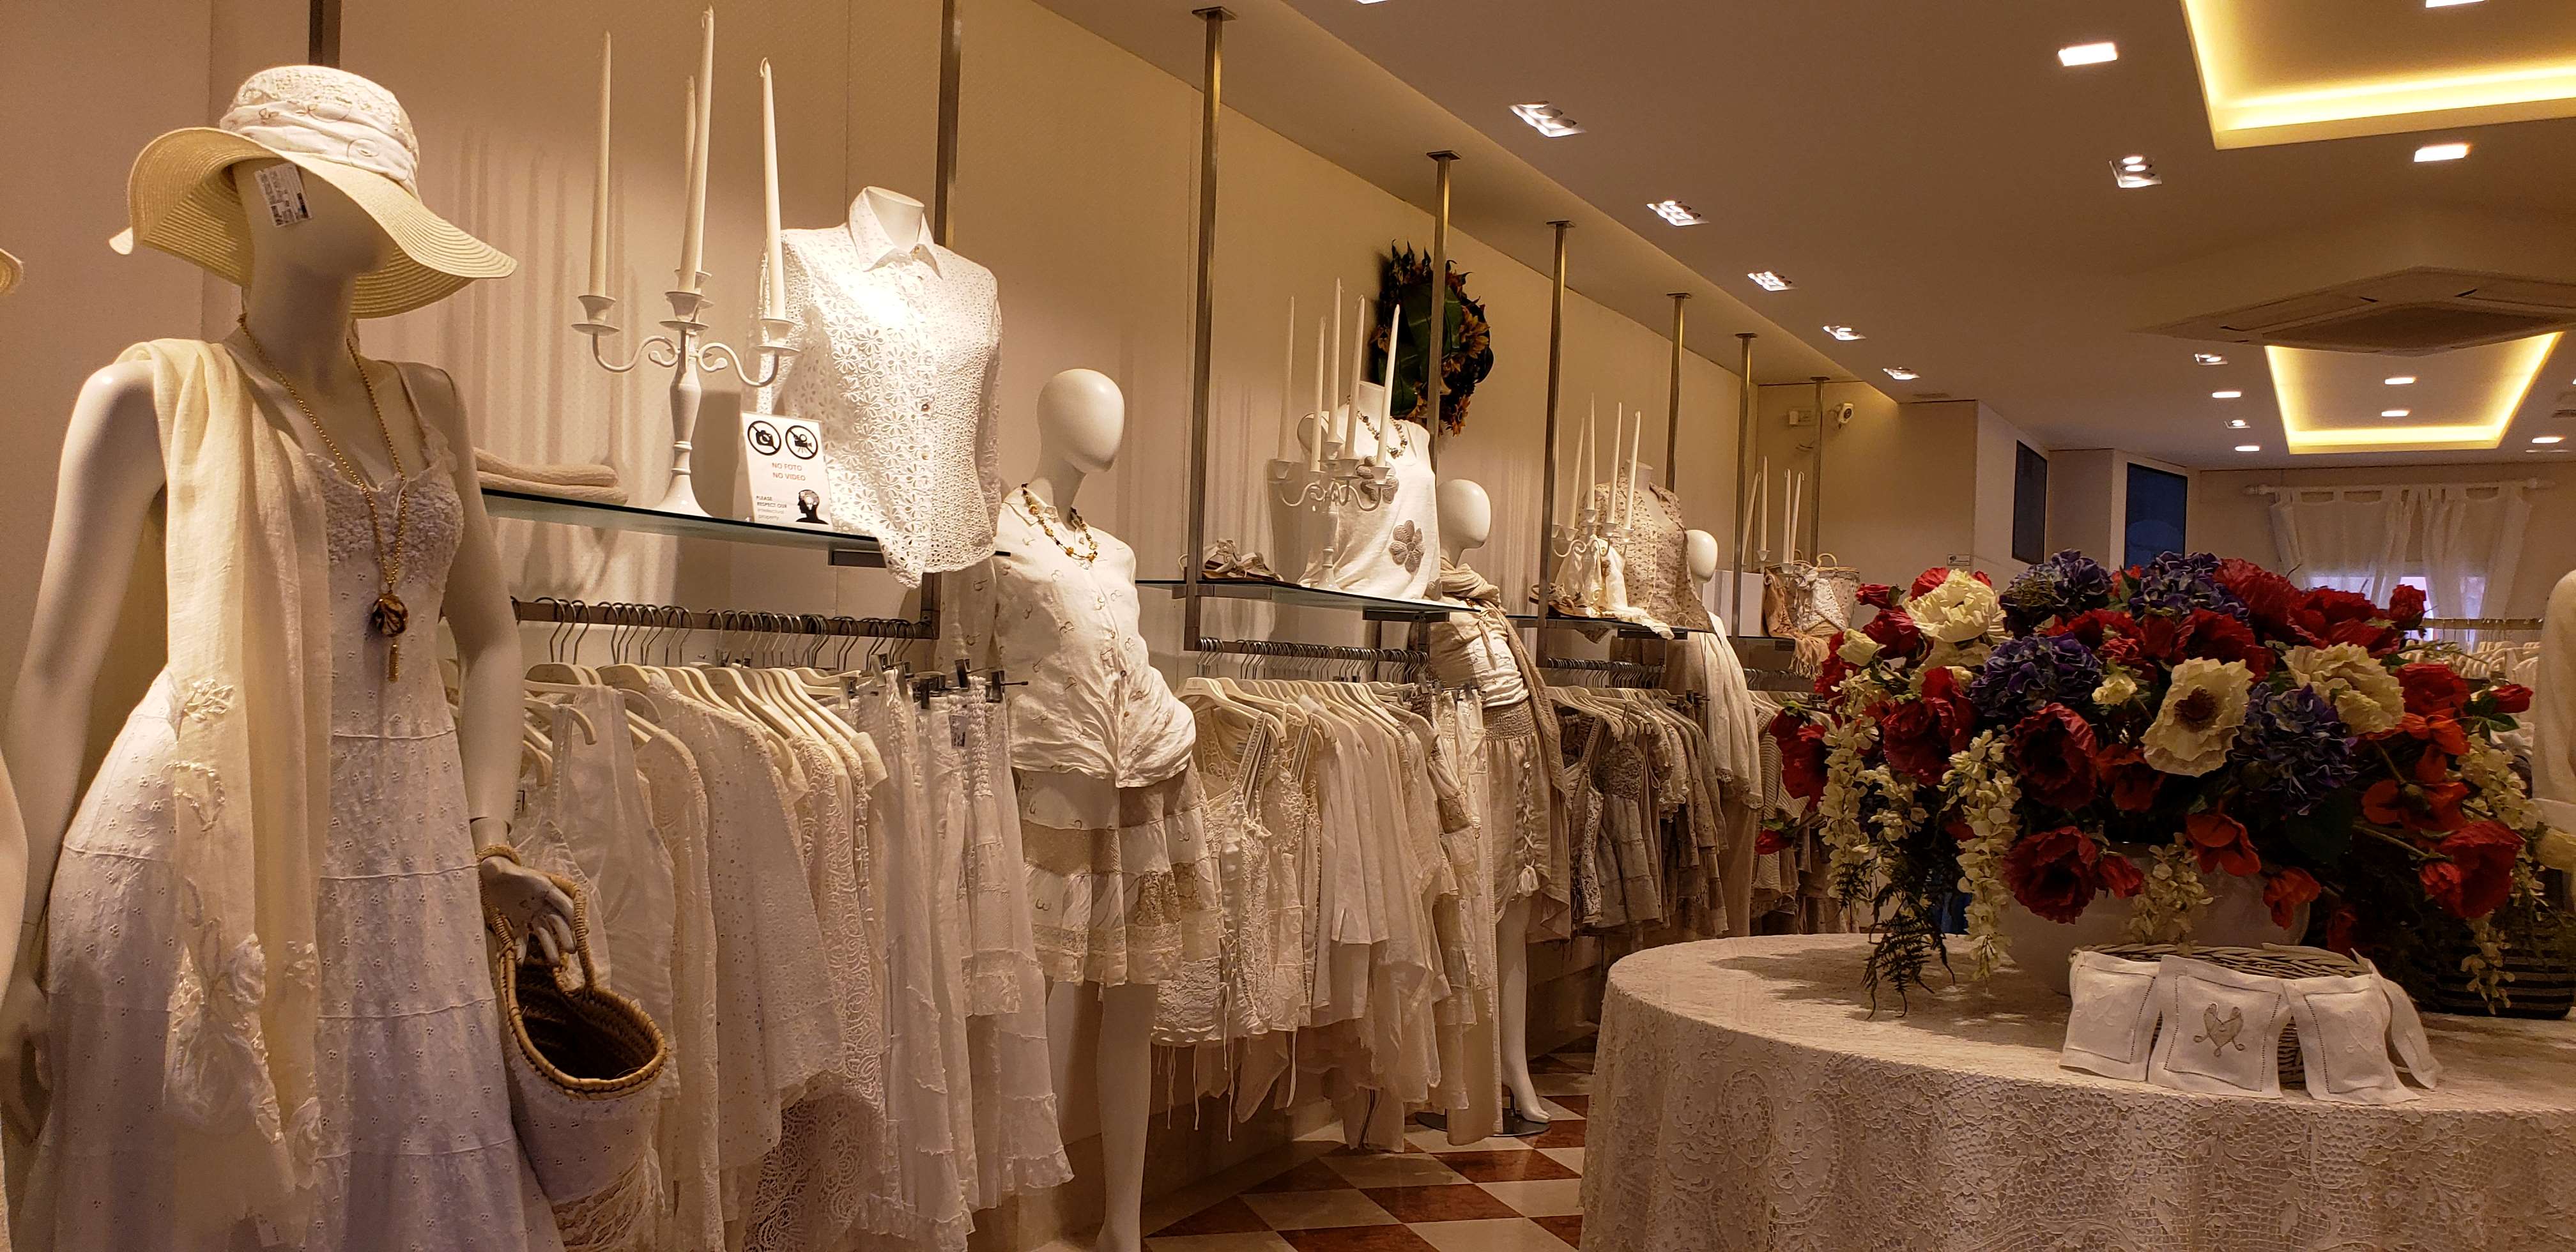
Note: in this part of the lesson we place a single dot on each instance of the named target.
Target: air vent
(1920, 395)
(2407, 313)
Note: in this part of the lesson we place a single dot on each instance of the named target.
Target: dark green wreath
(1466, 348)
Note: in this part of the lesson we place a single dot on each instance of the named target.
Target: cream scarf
(249, 661)
(1464, 585)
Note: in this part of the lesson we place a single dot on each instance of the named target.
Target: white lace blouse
(1393, 550)
(899, 350)
(1094, 703)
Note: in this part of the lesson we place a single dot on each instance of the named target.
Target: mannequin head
(903, 218)
(1081, 419)
(1466, 517)
(337, 243)
(1700, 548)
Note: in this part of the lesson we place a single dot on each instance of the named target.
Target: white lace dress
(417, 1146)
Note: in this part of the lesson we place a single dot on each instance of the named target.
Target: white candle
(1762, 512)
(1333, 385)
(1591, 445)
(771, 254)
(1789, 520)
(1323, 417)
(1636, 445)
(599, 188)
(1362, 319)
(1386, 419)
(1287, 379)
(693, 236)
(1618, 477)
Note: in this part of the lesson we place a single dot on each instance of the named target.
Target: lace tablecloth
(1744, 1098)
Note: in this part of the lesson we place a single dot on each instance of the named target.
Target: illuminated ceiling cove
(2289, 71)
(2460, 401)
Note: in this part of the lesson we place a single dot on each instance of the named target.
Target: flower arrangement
(1466, 343)
(2083, 734)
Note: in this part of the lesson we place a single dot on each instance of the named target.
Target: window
(2030, 504)
(2159, 507)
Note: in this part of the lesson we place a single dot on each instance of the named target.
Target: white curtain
(2459, 542)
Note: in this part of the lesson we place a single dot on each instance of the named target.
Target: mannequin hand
(24, 1074)
(537, 910)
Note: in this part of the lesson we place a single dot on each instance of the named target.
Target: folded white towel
(567, 475)
(610, 494)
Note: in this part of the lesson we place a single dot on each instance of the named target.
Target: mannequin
(906, 221)
(302, 291)
(1699, 548)
(1707, 664)
(2553, 713)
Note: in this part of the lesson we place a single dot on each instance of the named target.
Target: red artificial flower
(2161, 639)
(1829, 677)
(2120, 876)
(2134, 783)
(1770, 841)
(2339, 927)
(2219, 637)
(2432, 687)
(1895, 631)
(1924, 581)
(1959, 829)
(2093, 627)
(2441, 732)
(2509, 698)
(2054, 873)
(2220, 842)
(2337, 606)
(2052, 751)
(2273, 601)
(2285, 891)
(2477, 873)
(2373, 638)
(2417, 807)
(1876, 595)
(2406, 606)
(1919, 736)
(1802, 755)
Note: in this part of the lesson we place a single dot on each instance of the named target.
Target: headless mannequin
(303, 278)
(906, 222)
(1081, 419)
(2553, 714)
(1467, 521)
(1699, 548)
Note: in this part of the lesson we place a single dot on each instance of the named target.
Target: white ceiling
(1928, 173)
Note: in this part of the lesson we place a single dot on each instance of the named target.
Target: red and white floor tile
(1498, 1195)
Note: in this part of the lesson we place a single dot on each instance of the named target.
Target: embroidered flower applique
(1405, 548)
(206, 700)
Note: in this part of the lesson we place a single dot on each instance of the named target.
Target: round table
(1744, 1097)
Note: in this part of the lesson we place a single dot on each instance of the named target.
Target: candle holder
(682, 352)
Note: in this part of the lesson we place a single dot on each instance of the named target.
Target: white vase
(2236, 917)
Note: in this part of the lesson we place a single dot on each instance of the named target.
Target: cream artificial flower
(1961, 609)
(2117, 689)
(2364, 694)
(2557, 850)
(2202, 710)
(1858, 649)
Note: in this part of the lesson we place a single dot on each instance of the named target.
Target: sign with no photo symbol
(785, 458)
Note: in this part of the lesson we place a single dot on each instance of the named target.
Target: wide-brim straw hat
(333, 125)
(9, 270)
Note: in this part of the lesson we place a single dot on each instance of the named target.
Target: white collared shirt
(899, 353)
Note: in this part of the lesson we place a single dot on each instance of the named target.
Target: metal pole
(1202, 386)
(1436, 335)
(1555, 379)
(1673, 409)
(943, 190)
(1816, 511)
(322, 32)
(1747, 401)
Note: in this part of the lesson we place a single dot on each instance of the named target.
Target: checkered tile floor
(1499, 1195)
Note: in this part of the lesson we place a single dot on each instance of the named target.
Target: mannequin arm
(102, 496)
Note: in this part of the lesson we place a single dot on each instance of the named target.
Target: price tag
(282, 187)
(785, 458)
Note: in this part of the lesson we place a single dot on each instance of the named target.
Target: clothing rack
(673, 617)
(2482, 623)
(1312, 651)
(1639, 669)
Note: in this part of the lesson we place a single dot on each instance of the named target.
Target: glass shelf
(1375, 608)
(1567, 621)
(845, 549)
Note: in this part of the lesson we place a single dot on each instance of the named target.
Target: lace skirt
(1529, 853)
(1122, 887)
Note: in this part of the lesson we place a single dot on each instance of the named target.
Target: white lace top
(899, 353)
(1094, 703)
(1393, 550)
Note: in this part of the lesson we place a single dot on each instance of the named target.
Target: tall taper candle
(1386, 419)
(693, 237)
(599, 188)
(771, 254)
(1333, 382)
(1591, 448)
(1323, 416)
(1636, 444)
(1618, 475)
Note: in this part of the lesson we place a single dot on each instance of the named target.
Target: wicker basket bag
(585, 1065)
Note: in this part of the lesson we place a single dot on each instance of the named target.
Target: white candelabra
(687, 358)
(1329, 480)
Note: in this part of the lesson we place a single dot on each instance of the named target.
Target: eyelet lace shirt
(899, 352)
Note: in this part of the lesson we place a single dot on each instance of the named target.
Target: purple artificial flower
(2297, 750)
(2064, 585)
(2022, 674)
(2174, 584)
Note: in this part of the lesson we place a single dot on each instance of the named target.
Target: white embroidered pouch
(2406, 1032)
(2112, 1025)
(2221, 1030)
(2343, 1039)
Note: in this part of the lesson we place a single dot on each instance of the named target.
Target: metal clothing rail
(2483, 623)
(1314, 651)
(1640, 668)
(673, 617)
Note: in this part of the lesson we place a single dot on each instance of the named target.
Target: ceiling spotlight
(2208, 358)
(1676, 212)
(2446, 4)
(1547, 119)
(2134, 171)
(2088, 54)
(2237, 423)
(2441, 152)
(2249, 447)
(2395, 412)
(1902, 374)
(2402, 380)
(1844, 333)
(1769, 281)
(2549, 438)
(2226, 395)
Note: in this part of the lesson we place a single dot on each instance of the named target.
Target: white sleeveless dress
(418, 1151)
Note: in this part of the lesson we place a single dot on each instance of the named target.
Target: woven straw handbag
(585, 1066)
(1808, 603)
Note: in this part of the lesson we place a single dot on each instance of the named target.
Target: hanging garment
(1392, 550)
(1654, 557)
(899, 352)
(1120, 877)
(406, 1049)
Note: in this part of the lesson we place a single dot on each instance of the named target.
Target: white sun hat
(335, 126)
(9, 270)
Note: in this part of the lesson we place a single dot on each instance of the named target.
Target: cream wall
(1998, 442)
(2229, 522)
(1897, 481)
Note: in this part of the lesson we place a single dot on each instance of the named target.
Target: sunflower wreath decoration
(1466, 346)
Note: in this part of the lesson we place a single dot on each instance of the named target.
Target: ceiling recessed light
(2441, 152)
(2402, 380)
(2549, 438)
(2395, 412)
(1844, 333)
(1901, 374)
(1547, 119)
(2226, 395)
(2249, 447)
(2134, 171)
(2208, 358)
(2446, 4)
(1769, 281)
(2088, 54)
(1676, 212)
(2237, 423)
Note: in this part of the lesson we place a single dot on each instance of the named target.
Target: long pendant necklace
(1039, 512)
(389, 616)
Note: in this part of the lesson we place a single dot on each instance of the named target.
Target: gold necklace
(389, 616)
(1039, 512)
